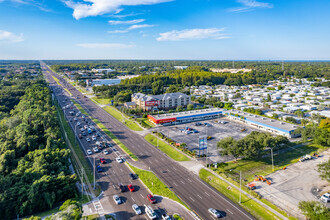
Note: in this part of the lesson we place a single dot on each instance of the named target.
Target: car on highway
(151, 198)
(105, 152)
(117, 199)
(88, 139)
(119, 160)
(132, 176)
(102, 160)
(325, 198)
(122, 187)
(214, 212)
(136, 209)
(99, 169)
(93, 138)
(95, 149)
(89, 152)
(131, 188)
(166, 217)
(150, 212)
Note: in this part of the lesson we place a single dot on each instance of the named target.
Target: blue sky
(165, 29)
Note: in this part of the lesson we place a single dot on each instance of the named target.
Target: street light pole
(240, 186)
(94, 172)
(271, 150)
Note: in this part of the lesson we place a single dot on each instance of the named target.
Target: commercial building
(263, 123)
(165, 101)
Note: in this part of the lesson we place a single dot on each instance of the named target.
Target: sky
(165, 29)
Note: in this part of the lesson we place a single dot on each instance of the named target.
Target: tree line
(34, 161)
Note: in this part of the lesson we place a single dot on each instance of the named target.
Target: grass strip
(119, 116)
(146, 121)
(155, 185)
(101, 101)
(109, 133)
(167, 149)
(248, 204)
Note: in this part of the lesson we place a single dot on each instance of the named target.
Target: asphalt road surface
(194, 192)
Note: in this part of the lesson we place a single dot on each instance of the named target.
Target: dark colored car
(122, 187)
(132, 176)
(103, 161)
(80, 136)
(99, 169)
(151, 198)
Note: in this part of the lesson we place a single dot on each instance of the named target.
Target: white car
(117, 199)
(89, 152)
(78, 123)
(106, 152)
(119, 160)
(75, 119)
(136, 209)
(82, 129)
(214, 212)
(325, 198)
(150, 212)
(96, 149)
(88, 139)
(93, 138)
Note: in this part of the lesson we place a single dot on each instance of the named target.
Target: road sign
(202, 143)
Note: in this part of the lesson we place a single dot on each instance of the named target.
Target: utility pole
(271, 150)
(94, 172)
(240, 186)
(82, 182)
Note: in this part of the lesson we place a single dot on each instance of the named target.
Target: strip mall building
(263, 123)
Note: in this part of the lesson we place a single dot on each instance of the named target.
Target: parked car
(122, 187)
(209, 137)
(80, 136)
(166, 217)
(151, 198)
(117, 199)
(214, 212)
(108, 144)
(89, 152)
(207, 124)
(195, 131)
(95, 149)
(325, 198)
(93, 138)
(136, 209)
(75, 119)
(81, 129)
(131, 188)
(198, 123)
(132, 176)
(106, 152)
(98, 134)
(78, 123)
(102, 160)
(88, 139)
(119, 160)
(150, 212)
(84, 133)
(99, 169)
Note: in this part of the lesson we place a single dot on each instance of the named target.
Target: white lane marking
(229, 211)
(141, 195)
(182, 182)
(133, 199)
(199, 196)
(174, 168)
(192, 199)
(175, 184)
(189, 180)
(207, 194)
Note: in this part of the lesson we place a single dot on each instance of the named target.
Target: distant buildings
(102, 70)
(180, 67)
(164, 101)
(107, 82)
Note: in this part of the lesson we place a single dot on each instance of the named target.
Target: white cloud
(99, 7)
(135, 21)
(193, 34)
(249, 5)
(10, 37)
(105, 45)
(132, 27)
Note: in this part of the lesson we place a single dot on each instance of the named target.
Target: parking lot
(216, 131)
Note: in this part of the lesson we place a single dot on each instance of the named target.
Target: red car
(131, 187)
(103, 161)
(151, 198)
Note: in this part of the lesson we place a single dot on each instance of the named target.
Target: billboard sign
(151, 103)
(202, 143)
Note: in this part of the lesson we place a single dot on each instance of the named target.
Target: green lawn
(101, 101)
(119, 116)
(263, 167)
(111, 135)
(167, 149)
(233, 194)
(177, 217)
(146, 121)
(155, 185)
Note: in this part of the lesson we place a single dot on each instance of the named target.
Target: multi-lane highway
(195, 193)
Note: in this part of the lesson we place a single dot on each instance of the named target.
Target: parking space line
(133, 199)
(189, 180)
(229, 211)
(182, 182)
(175, 184)
(207, 194)
(141, 195)
(199, 196)
(192, 199)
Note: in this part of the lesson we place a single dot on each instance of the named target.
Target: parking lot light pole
(94, 172)
(75, 134)
(271, 150)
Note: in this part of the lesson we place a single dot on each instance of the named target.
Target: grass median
(248, 204)
(101, 101)
(155, 185)
(119, 116)
(167, 149)
(109, 133)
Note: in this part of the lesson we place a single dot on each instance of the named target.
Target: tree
(70, 209)
(314, 210)
(324, 170)
(190, 107)
(229, 146)
(299, 113)
(325, 124)
(157, 87)
(172, 89)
